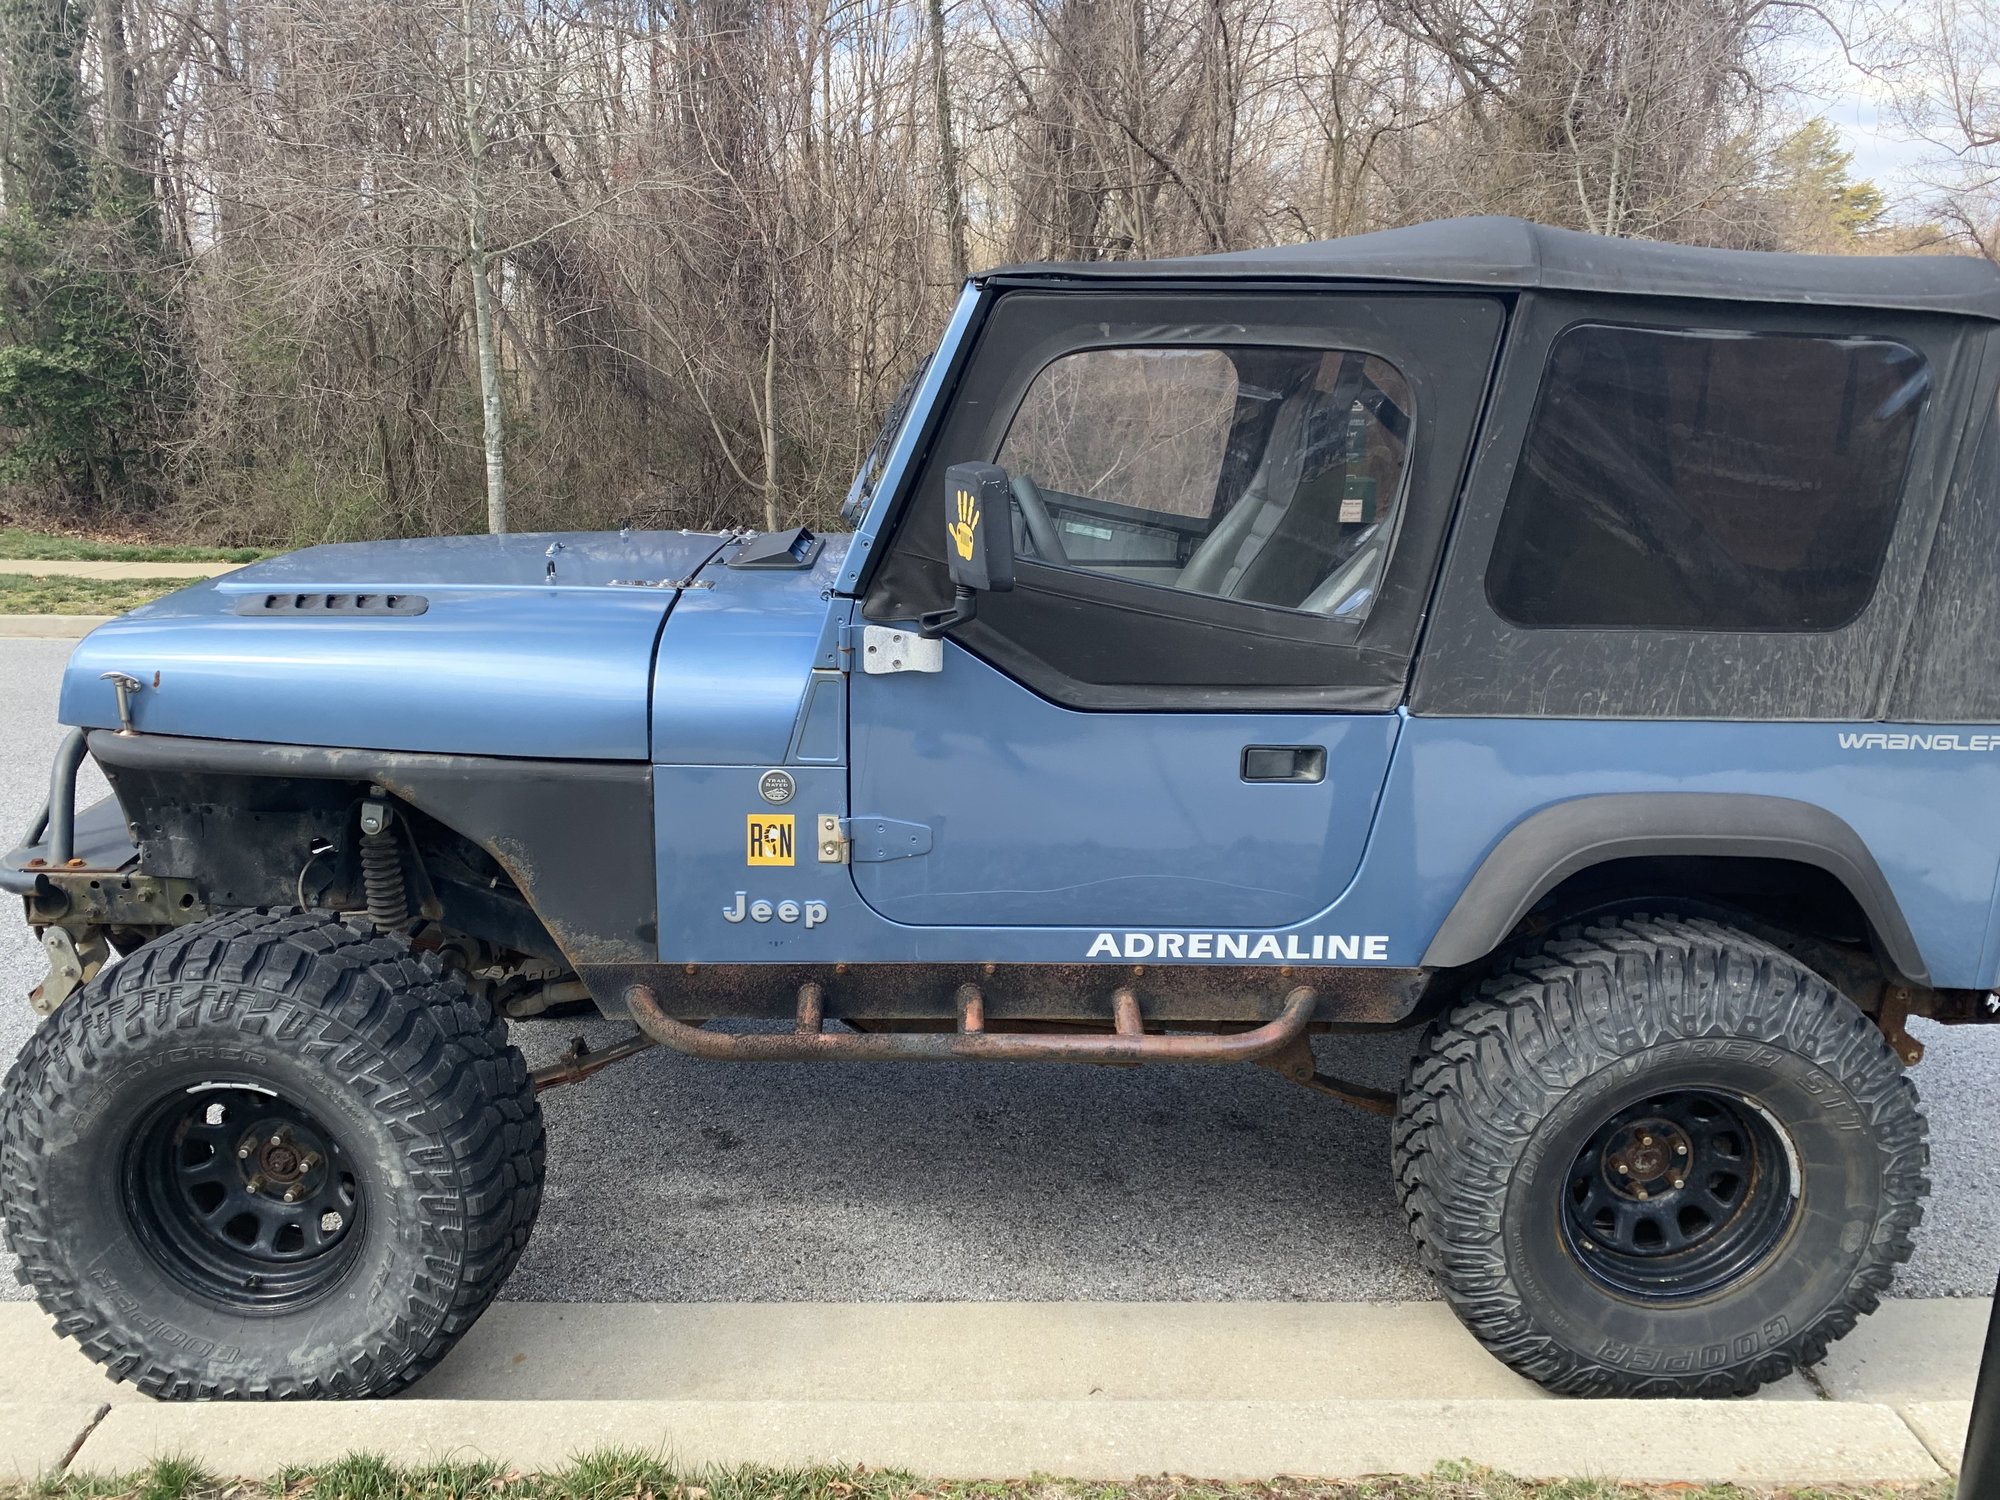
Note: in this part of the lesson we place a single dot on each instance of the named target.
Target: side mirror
(979, 527)
(978, 541)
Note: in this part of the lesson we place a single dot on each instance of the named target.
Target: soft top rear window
(1690, 479)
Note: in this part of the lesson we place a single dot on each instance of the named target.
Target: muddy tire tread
(1493, 1066)
(387, 1022)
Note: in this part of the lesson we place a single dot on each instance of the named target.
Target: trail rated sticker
(772, 838)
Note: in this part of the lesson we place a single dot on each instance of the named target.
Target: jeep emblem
(776, 787)
(814, 912)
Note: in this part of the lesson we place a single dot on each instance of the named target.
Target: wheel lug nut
(278, 1139)
(255, 1184)
(1645, 1140)
(1680, 1182)
(1681, 1150)
(242, 1153)
(1641, 1192)
(291, 1195)
(1623, 1170)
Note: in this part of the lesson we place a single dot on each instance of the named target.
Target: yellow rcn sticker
(771, 838)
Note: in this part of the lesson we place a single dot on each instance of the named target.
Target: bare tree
(432, 265)
(1941, 59)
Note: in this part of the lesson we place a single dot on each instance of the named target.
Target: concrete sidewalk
(52, 627)
(996, 1390)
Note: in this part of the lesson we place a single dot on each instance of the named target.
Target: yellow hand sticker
(967, 526)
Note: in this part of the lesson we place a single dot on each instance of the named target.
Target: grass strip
(634, 1476)
(27, 594)
(41, 546)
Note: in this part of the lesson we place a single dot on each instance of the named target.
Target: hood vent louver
(794, 549)
(331, 606)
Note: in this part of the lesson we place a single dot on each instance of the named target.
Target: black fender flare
(1549, 846)
(575, 836)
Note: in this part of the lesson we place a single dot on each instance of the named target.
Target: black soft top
(1493, 251)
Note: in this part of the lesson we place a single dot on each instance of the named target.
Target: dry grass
(631, 1476)
(43, 546)
(26, 594)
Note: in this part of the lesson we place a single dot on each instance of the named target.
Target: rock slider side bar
(1129, 1043)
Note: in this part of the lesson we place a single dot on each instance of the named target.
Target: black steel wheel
(1680, 1195)
(1656, 1157)
(243, 1195)
(269, 1156)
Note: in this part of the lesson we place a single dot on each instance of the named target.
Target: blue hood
(500, 661)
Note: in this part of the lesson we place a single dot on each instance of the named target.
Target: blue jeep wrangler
(1582, 649)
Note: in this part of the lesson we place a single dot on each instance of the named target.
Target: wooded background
(283, 271)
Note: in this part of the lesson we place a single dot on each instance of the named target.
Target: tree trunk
(128, 183)
(492, 411)
(771, 418)
(43, 166)
(954, 195)
(478, 263)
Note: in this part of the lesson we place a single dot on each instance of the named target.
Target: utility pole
(1979, 1475)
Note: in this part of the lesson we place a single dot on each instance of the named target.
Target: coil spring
(382, 882)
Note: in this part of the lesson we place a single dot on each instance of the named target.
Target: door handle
(1300, 763)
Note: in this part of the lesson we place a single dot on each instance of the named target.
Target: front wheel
(1659, 1158)
(269, 1156)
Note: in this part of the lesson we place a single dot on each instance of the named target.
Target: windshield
(869, 473)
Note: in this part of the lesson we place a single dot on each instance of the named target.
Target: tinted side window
(1702, 480)
(1270, 476)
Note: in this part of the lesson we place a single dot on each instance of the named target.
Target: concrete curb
(1661, 1441)
(52, 627)
(1941, 1426)
(38, 1437)
(996, 1390)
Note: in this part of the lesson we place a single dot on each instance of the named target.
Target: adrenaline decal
(1294, 947)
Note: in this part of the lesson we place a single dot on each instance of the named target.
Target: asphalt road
(677, 1180)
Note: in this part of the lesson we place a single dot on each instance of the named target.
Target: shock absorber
(382, 867)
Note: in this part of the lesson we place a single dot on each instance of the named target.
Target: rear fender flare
(1547, 847)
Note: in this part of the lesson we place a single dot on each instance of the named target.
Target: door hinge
(874, 841)
(885, 648)
(832, 840)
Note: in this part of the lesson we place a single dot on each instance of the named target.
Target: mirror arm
(964, 606)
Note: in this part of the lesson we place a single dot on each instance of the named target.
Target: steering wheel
(1041, 529)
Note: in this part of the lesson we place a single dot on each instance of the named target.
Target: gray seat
(1226, 555)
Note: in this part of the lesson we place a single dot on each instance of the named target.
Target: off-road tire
(1501, 1098)
(431, 1108)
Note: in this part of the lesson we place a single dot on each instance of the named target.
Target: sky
(1881, 154)
(1854, 104)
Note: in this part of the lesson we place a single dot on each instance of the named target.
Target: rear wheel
(1658, 1157)
(269, 1156)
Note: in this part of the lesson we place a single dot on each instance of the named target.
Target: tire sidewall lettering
(1807, 1268)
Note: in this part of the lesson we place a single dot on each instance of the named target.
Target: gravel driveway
(677, 1180)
